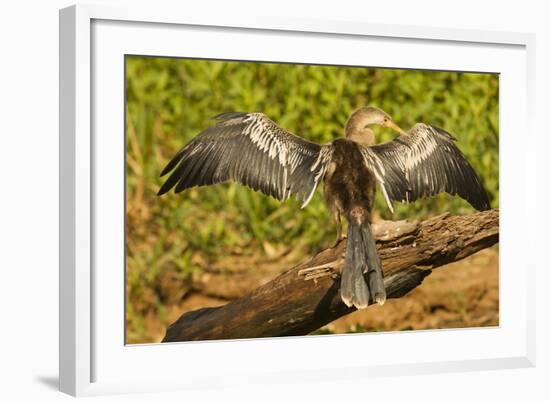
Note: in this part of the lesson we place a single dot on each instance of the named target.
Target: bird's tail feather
(374, 273)
(361, 257)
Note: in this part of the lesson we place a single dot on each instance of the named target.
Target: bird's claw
(337, 241)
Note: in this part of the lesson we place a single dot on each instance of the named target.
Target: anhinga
(252, 150)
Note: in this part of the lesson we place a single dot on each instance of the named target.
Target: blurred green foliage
(169, 101)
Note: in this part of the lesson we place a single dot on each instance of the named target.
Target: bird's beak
(394, 126)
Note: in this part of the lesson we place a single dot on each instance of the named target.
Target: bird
(253, 150)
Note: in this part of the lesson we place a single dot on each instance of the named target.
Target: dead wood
(290, 305)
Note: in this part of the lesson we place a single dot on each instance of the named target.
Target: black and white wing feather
(426, 162)
(250, 149)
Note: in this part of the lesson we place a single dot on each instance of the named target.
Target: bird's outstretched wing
(250, 149)
(426, 162)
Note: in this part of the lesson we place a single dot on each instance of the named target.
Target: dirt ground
(462, 294)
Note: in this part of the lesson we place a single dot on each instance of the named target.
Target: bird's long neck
(356, 131)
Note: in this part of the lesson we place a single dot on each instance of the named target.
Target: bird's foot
(337, 241)
(315, 272)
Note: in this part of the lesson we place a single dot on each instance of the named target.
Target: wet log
(301, 300)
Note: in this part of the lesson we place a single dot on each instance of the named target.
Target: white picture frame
(93, 356)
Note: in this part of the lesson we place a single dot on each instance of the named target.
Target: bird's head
(357, 126)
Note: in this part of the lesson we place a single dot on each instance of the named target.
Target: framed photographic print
(254, 190)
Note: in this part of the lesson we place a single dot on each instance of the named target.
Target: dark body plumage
(250, 149)
(349, 183)
(350, 187)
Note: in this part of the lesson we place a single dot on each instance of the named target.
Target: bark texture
(299, 301)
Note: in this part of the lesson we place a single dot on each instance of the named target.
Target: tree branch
(291, 305)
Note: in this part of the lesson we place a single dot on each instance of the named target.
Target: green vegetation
(169, 101)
